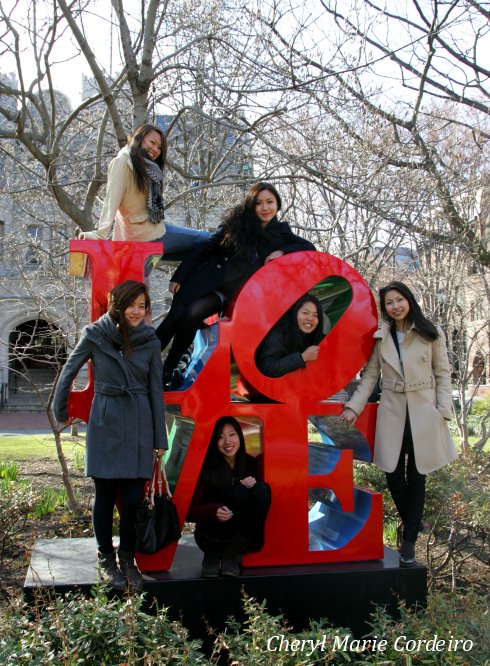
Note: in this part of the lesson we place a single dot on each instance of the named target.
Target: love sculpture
(346, 524)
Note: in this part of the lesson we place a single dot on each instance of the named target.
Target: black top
(212, 267)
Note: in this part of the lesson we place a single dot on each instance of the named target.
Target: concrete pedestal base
(345, 593)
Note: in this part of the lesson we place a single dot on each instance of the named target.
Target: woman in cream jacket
(414, 408)
(134, 205)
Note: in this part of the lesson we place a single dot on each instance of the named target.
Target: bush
(17, 501)
(447, 618)
(76, 630)
(9, 470)
(456, 516)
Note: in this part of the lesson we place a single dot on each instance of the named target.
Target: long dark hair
(295, 339)
(138, 155)
(214, 461)
(121, 297)
(243, 229)
(424, 327)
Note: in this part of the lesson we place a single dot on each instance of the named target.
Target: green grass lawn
(29, 447)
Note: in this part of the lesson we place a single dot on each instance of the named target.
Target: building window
(33, 240)
(2, 239)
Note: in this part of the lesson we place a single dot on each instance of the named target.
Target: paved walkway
(17, 423)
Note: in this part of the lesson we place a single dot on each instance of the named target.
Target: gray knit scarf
(155, 199)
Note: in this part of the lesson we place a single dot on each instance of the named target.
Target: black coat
(211, 267)
(274, 356)
(127, 419)
(209, 497)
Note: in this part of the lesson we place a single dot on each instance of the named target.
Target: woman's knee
(261, 492)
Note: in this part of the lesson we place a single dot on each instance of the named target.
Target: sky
(69, 64)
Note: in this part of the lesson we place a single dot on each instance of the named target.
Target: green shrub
(9, 470)
(100, 630)
(79, 461)
(448, 617)
(75, 630)
(17, 500)
(48, 500)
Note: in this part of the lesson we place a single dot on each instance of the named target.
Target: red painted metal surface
(343, 352)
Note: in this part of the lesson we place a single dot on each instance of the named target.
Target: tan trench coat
(125, 206)
(425, 388)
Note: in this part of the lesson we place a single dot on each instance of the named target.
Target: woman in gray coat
(414, 408)
(126, 427)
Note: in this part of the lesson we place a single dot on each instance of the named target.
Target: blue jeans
(178, 242)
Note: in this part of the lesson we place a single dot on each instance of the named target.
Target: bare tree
(69, 147)
(37, 352)
(393, 124)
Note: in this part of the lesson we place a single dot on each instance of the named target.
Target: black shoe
(210, 566)
(172, 381)
(109, 572)
(231, 565)
(130, 571)
(185, 359)
(407, 554)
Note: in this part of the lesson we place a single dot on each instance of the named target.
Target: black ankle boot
(211, 564)
(407, 554)
(231, 563)
(109, 572)
(130, 571)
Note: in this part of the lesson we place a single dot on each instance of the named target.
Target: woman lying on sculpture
(294, 340)
(230, 504)
(249, 237)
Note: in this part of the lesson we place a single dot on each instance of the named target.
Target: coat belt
(107, 389)
(399, 386)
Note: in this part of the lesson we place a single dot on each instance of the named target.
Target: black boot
(231, 563)
(109, 572)
(211, 564)
(407, 554)
(130, 571)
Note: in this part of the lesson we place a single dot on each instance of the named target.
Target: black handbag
(157, 521)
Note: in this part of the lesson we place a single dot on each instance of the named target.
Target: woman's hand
(224, 513)
(174, 287)
(273, 255)
(248, 481)
(310, 353)
(348, 416)
(159, 453)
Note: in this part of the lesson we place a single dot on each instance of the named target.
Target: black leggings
(106, 493)
(182, 323)
(407, 488)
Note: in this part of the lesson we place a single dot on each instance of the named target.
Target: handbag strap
(159, 475)
(163, 474)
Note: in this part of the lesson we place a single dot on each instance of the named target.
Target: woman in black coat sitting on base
(250, 236)
(229, 505)
(294, 340)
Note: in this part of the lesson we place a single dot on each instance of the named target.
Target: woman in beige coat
(133, 205)
(414, 408)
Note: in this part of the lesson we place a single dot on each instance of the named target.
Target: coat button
(218, 265)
